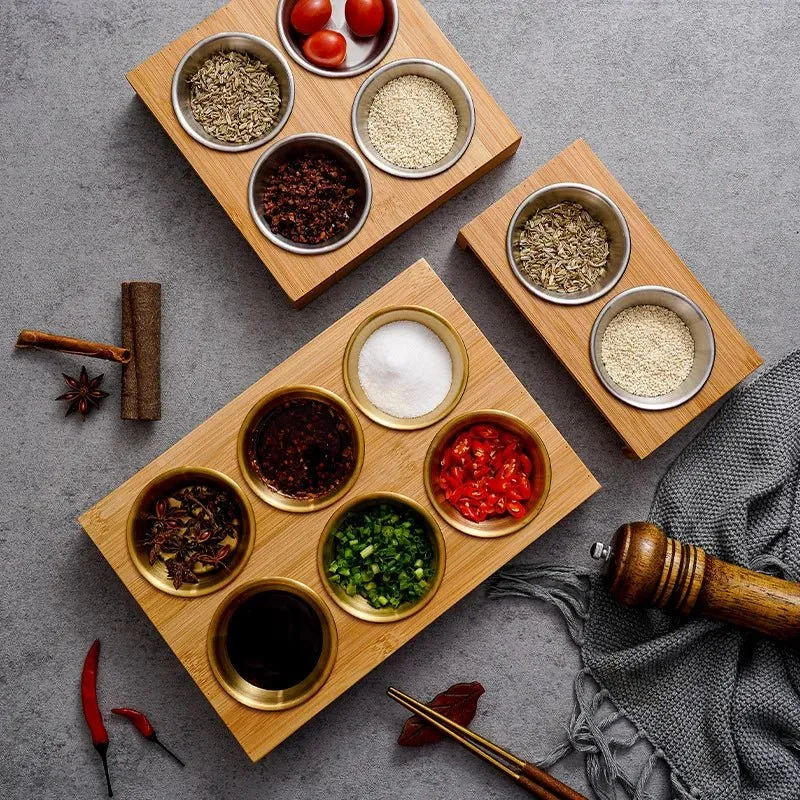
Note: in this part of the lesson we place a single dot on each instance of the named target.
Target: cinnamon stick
(141, 334)
(41, 340)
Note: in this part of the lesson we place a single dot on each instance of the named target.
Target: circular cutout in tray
(449, 337)
(356, 605)
(362, 53)
(243, 43)
(540, 478)
(694, 319)
(457, 91)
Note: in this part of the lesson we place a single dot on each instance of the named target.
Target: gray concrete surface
(695, 108)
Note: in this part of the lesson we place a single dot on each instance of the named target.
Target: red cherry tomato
(364, 17)
(309, 16)
(325, 48)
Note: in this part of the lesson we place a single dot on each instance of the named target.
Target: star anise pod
(83, 394)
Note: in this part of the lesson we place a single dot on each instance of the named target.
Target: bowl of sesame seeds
(232, 92)
(413, 118)
(652, 347)
(568, 243)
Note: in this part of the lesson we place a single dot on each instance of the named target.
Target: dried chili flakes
(485, 472)
(310, 198)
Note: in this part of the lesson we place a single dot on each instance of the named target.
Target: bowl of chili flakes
(487, 473)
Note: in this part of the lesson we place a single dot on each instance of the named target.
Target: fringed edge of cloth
(598, 728)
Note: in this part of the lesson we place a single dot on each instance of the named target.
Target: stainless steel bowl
(285, 149)
(602, 208)
(243, 43)
(362, 54)
(689, 312)
(447, 79)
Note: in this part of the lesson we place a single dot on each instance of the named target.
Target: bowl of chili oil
(272, 643)
(158, 500)
(358, 606)
(532, 446)
(300, 448)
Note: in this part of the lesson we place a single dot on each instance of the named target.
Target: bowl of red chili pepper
(487, 473)
(300, 448)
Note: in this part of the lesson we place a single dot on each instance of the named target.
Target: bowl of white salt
(652, 347)
(405, 367)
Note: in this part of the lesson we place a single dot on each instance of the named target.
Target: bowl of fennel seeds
(568, 243)
(233, 92)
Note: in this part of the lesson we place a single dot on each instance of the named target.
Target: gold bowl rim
(285, 502)
(249, 694)
(357, 606)
(458, 354)
(217, 580)
(500, 526)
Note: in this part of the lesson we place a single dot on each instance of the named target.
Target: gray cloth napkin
(721, 706)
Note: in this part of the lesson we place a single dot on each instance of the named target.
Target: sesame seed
(647, 350)
(412, 122)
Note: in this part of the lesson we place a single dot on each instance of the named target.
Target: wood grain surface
(324, 105)
(286, 544)
(566, 329)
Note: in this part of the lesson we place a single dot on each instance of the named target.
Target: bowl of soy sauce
(272, 644)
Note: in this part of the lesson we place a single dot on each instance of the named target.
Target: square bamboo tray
(566, 329)
(286, 544)
(324, 105)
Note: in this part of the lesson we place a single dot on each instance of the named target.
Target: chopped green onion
(383, 554)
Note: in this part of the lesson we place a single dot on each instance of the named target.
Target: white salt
(405, 369)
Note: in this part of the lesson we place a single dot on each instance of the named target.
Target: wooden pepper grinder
(647, 568)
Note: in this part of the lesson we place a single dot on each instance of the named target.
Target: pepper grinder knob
(645, 567)
(600, 551)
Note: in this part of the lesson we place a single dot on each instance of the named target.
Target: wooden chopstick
(535, 780)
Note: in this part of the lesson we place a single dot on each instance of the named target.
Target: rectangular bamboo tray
(286, 544)
(324, 105)
(566, 329)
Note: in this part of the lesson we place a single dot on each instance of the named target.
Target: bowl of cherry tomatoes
(487, 473)
(338, 38)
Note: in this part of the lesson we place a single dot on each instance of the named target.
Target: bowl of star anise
(190, 531)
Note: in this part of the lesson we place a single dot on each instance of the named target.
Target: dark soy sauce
(275, 639)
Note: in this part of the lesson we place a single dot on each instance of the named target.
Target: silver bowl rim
(215, 144)
(387, 166)
(649, 404)
(567, 300)
(344, 73)
(309, 250)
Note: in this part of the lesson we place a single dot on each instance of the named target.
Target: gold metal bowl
(248, 693)
(156, 573)
(358, 606)
(442, 328)
(247, 431)
(540, 477)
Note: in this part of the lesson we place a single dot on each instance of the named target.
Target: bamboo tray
(324, 105)
(566, 329)
(286, 544)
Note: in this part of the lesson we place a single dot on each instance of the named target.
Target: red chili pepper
(91, 708)
(486, 472)
(142, 724)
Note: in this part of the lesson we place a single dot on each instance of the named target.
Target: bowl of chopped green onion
(381, 557)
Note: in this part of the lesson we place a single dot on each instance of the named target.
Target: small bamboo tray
(286, 544)
(566, 329)
(324, 105)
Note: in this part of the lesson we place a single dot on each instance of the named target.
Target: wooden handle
(41, 340)
(548, 787)
(647, 568)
